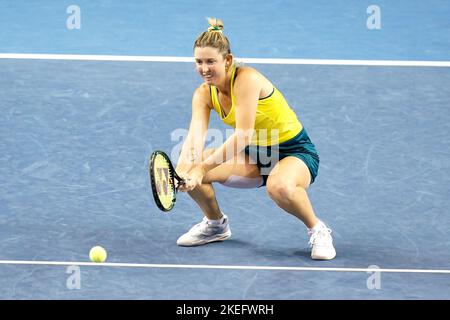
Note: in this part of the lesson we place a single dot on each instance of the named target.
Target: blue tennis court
(76, 133)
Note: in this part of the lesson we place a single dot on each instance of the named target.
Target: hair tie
(214, 29)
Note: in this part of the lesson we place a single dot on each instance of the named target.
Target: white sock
(319, 225)
(219, 221)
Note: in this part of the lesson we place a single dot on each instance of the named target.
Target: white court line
(224, 267)
(394, 63)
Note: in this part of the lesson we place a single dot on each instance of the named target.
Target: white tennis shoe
(321, 243)
(205, 232)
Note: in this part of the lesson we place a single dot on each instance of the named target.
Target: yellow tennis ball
(97, 254)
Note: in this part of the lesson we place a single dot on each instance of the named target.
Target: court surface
(75, 136)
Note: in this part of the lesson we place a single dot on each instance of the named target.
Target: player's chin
(209, 80)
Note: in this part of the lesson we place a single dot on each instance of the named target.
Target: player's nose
(205, 69)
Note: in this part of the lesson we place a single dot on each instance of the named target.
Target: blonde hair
(214, 37)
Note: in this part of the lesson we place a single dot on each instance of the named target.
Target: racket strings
(163, 176)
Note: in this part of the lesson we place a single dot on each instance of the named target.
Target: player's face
(210, 64)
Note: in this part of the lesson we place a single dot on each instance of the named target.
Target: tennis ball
(97, 254)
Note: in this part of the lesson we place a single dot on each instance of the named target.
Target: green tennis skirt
(299, 146)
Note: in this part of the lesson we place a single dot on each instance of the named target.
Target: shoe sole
(323, 257)
(220, 237)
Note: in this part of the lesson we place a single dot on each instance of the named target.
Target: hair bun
(216, 25)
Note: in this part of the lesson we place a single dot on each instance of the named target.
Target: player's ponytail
(214, 37)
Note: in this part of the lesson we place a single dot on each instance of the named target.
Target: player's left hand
(194, 178)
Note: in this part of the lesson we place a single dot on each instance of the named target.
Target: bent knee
(279, 190)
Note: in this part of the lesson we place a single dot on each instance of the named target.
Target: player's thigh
(240, 166)
(289, 173)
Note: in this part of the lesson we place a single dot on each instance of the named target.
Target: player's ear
(228, 61)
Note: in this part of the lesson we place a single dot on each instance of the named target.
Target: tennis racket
(162, 179)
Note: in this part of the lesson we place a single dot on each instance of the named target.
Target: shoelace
(321, 236)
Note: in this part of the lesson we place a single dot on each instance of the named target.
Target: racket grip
(179, 183)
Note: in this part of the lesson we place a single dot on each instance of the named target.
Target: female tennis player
(269, 146)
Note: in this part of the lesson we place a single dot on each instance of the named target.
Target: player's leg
(287, 185)
(237, 172)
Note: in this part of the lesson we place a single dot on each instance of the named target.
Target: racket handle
(179, 183)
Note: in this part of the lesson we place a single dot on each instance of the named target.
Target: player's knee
(279, 190)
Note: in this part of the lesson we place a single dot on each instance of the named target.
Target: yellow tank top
(275, 121)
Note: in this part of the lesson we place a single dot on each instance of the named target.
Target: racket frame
(172, 176)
